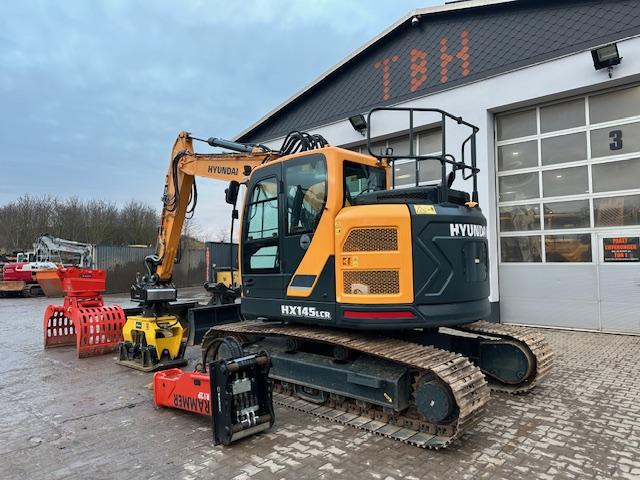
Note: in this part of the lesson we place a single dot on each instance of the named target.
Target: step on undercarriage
(418, 394)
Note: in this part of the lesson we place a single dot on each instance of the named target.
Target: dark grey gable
(451, 49)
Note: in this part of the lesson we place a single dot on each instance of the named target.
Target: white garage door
(569, 212)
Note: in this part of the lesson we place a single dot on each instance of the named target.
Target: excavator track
(466, 382)
(529, 338)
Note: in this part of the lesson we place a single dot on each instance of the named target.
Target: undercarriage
(406, 386)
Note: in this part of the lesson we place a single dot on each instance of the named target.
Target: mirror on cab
(231, 192)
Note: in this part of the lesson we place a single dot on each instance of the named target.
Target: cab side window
(261, 244)
(306, 187)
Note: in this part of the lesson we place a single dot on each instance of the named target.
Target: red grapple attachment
(84, 320)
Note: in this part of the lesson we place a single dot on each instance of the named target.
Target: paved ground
(65, 418)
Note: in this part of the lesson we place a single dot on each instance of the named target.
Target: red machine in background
(34, 272)
(84, 319)
(20, 277)
(235, 392)
(14, 272)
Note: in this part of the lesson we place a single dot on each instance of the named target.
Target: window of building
(568, 248)
(565, 171)
(518, 155)
(516, 125)
(623, 211)
(521, 249)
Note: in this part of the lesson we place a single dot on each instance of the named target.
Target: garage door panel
(577, 282)
(620, 317)
(620, 283)
(548, 312)
(568, 200)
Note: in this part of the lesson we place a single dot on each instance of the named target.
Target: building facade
(558, 148)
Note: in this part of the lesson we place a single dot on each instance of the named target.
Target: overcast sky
(93, 93)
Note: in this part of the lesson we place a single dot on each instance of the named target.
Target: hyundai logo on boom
(223, 170)
(467, 230)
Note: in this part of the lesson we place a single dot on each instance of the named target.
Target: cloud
(94, 93)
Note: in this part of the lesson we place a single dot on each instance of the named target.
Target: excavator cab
(327, 239)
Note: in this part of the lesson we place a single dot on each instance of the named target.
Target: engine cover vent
(371, 282)
(371, 240)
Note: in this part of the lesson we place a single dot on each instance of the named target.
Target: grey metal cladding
(499, 38)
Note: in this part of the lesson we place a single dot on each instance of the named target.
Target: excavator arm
(180, 194)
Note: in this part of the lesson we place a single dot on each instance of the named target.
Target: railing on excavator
(468, 171)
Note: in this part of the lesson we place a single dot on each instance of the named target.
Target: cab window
(306, 187)
(263, 210)
(261, 251)
(360, 178)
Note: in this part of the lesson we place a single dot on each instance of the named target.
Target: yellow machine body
(224, 277)
(373, 255)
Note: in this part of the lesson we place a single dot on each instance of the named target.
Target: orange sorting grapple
(84, 320)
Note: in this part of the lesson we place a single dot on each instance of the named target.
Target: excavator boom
(180, 193)
(154, 340)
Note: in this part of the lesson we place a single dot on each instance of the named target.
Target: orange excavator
(369, 299)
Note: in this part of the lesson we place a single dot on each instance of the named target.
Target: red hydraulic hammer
(235, 393)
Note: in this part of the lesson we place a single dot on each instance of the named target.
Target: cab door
(305, 197)
(262, 224)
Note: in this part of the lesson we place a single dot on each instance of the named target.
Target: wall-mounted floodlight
(358, 123)
(606, 57)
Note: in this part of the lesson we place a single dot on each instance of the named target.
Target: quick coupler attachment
(235, 391)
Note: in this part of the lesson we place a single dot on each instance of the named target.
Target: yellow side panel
(374, 262)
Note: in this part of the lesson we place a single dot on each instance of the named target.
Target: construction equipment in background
(83, 320)
(235, 390)
(63, 252)
(388, 284)
(48, 248)
(223, 275)
(19, 278)
(34, 272)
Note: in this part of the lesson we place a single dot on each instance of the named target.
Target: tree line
(90, 221)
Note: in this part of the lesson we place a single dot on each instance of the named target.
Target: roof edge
(447, 7)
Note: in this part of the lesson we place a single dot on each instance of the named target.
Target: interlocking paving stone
(70, 418)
